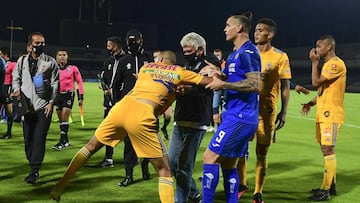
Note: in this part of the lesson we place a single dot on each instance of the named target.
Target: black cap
(116, 40)
(133, 34)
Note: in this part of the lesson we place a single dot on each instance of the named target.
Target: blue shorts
(232, 137)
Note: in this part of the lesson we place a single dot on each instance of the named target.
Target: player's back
(158, 81)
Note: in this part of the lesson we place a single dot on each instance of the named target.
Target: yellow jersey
(158, 81)
(330, 99)
(275, 66)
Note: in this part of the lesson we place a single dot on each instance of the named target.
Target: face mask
(38, 49)
(110, 51)
(191, 58)
(134, 48)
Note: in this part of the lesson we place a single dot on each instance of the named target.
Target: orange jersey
(157, 82)
(330, 99)
(274, 67)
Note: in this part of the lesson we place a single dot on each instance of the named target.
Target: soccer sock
(241, 170)
(64, 128)
(209, 182)
(329, 171)
(260, 173)
(76, 163)
(231, 184)
(166, 189)
(9, 124)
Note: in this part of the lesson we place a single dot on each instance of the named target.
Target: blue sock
(231, 184)
(209, 182)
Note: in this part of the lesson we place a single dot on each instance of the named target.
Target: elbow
(315, 84)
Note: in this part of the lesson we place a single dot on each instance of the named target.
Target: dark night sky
(300, 23)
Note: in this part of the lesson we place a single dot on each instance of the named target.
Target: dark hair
(217, 50)
(245, 19)
(5, 50)
(330, 39)
(116, 40)
(61, 49)
(269, 22)
(32, 34)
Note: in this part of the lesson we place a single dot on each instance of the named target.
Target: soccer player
(140, 124)
(275, 82)
(330, 82)
(68, 75)
(240, 120)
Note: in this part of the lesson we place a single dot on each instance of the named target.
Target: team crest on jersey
(327, 113)
(128, 66)
(68, 69)
(268, 66)
(109, 66)
(68, 102)
(333, 67)
(231, 67)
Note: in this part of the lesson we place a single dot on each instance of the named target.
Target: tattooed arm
(250, 84)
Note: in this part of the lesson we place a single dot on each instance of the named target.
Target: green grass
(295, 162)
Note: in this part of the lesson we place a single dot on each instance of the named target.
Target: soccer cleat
(257, 198)
(332, 190)
(32, 178)
(242, 190)
(196, 199)
(320, 195)
(145, 170)
(60, 146)
(166, 135)
(210, 129)
(6, 136)
(106, 163)
(126, 182)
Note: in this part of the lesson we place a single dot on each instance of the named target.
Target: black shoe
(145, 170)
(126, 182)
(320, 195)
(60, 146)
(257, 198)
(6, 136)
(196, 199)
(242, 190)
(32, 178)
(166, 135)
(332, 190)
(106, 163)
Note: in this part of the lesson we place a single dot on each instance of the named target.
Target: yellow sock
(329, 171)
(241, 168)
(76, 163)
(166, 189)
(260, 173)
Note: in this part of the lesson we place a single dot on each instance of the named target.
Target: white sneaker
(210, 129)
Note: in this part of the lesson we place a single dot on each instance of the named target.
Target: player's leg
(76, 163)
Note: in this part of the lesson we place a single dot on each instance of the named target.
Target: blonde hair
(168, 57)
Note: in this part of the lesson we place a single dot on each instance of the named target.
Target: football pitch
(295, 161)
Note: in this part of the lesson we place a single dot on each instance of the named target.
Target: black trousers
(35, 127)
(130, 158)
(109, 150)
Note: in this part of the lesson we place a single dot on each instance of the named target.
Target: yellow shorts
(266, 128)
(326, 133)
(137, 120)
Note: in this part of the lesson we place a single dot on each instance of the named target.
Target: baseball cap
(134, 34)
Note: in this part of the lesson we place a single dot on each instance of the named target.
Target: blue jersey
(242, 61)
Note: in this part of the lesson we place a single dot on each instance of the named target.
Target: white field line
(312, 119)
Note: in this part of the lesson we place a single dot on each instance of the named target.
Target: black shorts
(7, 91)
(65, 99)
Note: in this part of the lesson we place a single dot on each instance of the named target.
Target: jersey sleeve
(78, 79)
(190, 77)
(284, 67)
(332, 70)
(250, 61)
